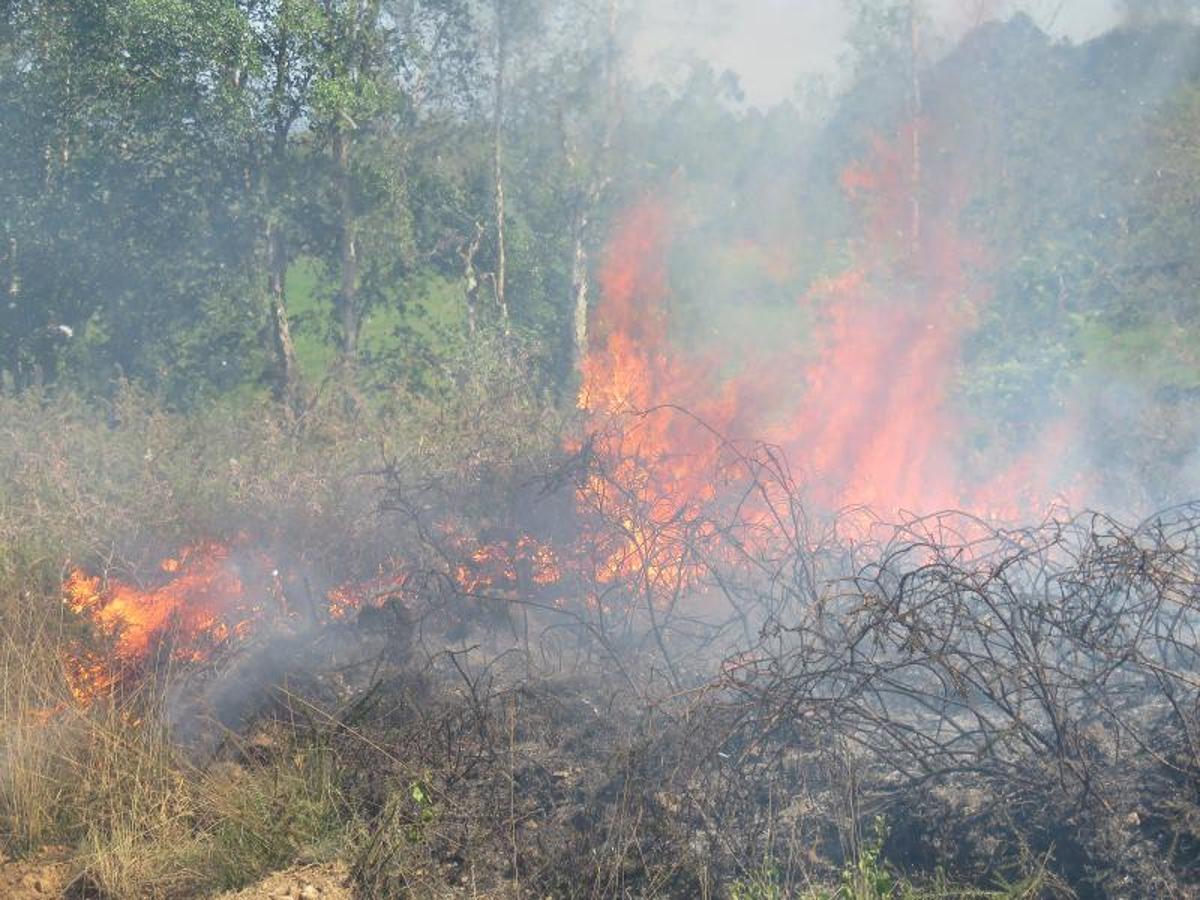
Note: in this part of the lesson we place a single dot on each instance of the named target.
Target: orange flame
(201, 604)
(866, 410)
(213, 594)
(660, 460)
(870, 413)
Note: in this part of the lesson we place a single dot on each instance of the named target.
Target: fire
(212, 595)
(658, 460)
(876, 426)
(200, 602)
(866, 409)
(347, 599)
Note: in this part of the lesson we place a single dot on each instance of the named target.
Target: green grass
(1156, 353)
(427, 306)
(867, 876)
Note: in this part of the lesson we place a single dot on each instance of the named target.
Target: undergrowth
(446, 774)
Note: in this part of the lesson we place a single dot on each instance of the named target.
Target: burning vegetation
(767, 574)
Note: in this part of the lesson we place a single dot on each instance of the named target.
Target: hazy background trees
(233, 197)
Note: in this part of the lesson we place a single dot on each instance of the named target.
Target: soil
(326, 882)
(45, 878)
(38, 879)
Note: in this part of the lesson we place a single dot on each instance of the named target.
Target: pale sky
(771, 44)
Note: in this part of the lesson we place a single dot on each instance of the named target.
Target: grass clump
(868, 876)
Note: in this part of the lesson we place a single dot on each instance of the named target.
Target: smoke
(775, 45)
(919, 302)
(1143, 12)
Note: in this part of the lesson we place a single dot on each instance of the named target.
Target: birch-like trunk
(580, 262)
(348, 313)
(500, 276)
(580, 277)
(471, 278)
(286, 380)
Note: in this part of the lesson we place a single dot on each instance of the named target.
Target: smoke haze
(773, 44)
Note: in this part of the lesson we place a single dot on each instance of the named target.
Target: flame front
(200, 602)
(213, 595)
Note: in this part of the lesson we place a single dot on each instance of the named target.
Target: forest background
(227, 201)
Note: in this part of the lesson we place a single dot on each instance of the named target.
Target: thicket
(115, 487)
(948, 705)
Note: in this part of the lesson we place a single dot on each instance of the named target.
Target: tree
(381, 65)
(886, 37)
(118, 128)
(595, 133)
(286, 31)
(1144, 12)
(514, 24)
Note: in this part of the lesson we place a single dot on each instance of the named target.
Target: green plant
(761, 884)
(423, 801)
(867, 877)
(263, 820)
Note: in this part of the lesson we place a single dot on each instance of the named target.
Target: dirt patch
(326, 882)
(35, 879)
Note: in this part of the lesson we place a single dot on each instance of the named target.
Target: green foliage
(762, 884)
(867, 876)
(425, 811)
(264, 820)
(161, 160)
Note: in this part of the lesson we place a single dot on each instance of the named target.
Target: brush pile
(715, 694)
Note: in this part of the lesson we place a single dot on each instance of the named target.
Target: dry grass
(119, 484)
(107, 780)
(142, 820)
(31, 773)
(469, 773)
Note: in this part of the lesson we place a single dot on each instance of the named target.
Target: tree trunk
(580, 268)
(13, 283)
(471, 278)
(501, 275)
(286, 383)
(348, 313)
(579, 288)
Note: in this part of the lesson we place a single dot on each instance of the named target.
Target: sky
(772, 44)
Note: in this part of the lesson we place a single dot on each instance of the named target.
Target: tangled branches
(998, 694)
(1042, 680)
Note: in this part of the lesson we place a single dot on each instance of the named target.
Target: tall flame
(870, 416)
(876, 426)
(659, 460)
